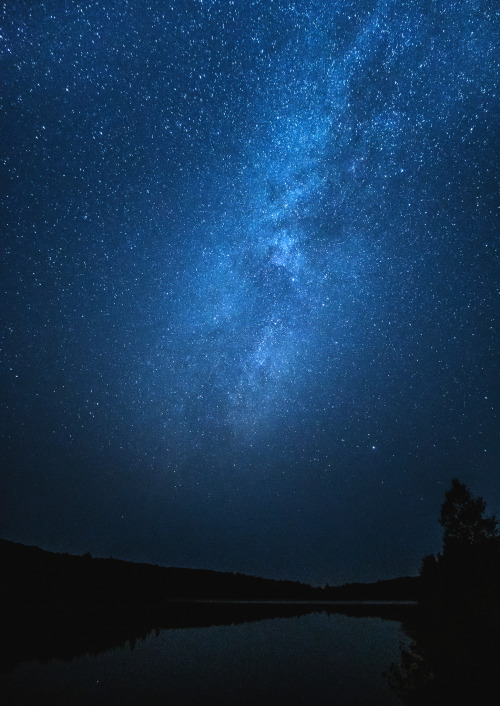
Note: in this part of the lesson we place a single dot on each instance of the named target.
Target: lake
(310, 659)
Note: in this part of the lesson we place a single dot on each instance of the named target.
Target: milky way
(249, 279)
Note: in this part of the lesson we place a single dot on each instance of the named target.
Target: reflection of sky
(249, 279)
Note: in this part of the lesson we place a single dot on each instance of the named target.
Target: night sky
(250, 279)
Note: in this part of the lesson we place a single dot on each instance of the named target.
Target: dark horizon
(249, 280)
(63, 580)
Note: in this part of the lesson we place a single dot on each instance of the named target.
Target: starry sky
(250, 279)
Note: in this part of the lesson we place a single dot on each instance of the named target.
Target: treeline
(61, 606)
(404, 588)
(467, 570)
(34, 577)
(454, 655)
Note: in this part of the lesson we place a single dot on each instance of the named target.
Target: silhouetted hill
(34, 577)
(405, 588)
(61, 606)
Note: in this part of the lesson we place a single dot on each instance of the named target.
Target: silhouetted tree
(454, 655)
(463, 519)
(468, 569)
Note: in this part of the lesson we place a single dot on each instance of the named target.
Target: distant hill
(404, 588)
(34, 577)
(61, 606)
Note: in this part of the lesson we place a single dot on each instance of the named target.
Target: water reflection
(309, 659)
(68, 634)
(453, 656)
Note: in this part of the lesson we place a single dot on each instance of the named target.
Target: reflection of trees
(70, 633)
(454, 655)
(453, 658)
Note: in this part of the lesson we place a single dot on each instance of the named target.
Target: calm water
(312, 659)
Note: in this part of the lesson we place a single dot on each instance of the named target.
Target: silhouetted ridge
(405, 588)
(62, 606)
(35, 577)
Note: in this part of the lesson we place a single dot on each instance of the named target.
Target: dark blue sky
(250, 279)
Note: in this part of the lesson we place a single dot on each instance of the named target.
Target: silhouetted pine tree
(454, 656)
(468, 569)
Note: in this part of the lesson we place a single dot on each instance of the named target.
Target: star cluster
(249, 278)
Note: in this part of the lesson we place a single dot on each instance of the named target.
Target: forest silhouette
(454, 654)
(62, 606)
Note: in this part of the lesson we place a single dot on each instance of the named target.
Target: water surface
(310, 659)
